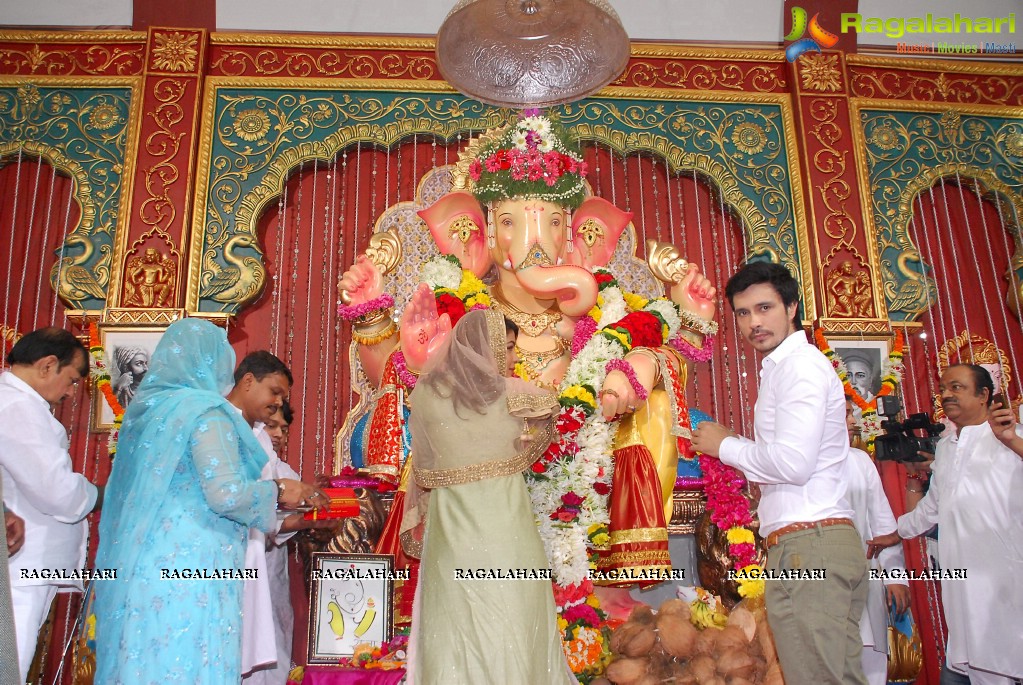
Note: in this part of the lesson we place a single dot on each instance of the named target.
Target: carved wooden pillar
(847, 275)
(151, 264)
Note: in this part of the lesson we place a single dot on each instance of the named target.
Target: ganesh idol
(518, 233)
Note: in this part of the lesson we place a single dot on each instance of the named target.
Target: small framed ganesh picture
(350, 604)
(125, 354)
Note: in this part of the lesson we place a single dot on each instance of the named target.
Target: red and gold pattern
(384, 451)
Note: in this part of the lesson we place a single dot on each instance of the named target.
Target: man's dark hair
(981, 379)
(287, 413)
(261, 364)
(775, 275)
(51, 340)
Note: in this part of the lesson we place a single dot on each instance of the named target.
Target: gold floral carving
(268, 62)
(820, 72)
(175, 51)
(830, 160)
(704, 75)
(848, 292)
(929, 81)
(251, 125)
(95, 60)
(749, 138)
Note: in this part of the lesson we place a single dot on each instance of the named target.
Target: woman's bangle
(922, 477)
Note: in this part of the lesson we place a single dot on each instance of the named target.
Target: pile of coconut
(666, 647)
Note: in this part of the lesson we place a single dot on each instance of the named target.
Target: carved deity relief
(848, 292)
(150, 280)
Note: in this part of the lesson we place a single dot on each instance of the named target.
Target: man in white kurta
(39, 483)
(976, 499)
(873, 517)
(268, 620)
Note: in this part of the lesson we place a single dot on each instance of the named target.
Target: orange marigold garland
(101, 379)
(891, 377)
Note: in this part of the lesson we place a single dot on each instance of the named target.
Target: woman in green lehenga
(474, 431)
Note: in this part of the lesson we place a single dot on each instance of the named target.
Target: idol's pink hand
(695, 294)
(362, 282)
(423, 332)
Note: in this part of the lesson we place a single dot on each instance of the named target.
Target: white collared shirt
(800, 440)
(974, 498)
(41, 486)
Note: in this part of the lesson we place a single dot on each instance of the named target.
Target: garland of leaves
(101, 381)
(891, 376)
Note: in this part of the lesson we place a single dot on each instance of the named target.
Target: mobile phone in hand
(999, 402)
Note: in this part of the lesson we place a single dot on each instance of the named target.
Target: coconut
(677, 635)
(626, 671)
(737, 663)
(675, 606)
(705, 641)
(642, 614)
(744, 619)
(703, 667)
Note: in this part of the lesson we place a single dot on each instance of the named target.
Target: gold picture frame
(351, 603)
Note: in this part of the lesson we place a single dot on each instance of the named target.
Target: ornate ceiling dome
(519, 53)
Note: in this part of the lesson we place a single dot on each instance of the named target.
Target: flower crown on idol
(533, 157)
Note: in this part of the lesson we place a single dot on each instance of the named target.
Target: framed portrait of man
(126, 354)
(863, 359)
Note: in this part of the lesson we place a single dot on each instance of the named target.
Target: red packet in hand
(342, 505)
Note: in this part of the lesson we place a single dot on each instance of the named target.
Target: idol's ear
(596, 227)
(458, 227)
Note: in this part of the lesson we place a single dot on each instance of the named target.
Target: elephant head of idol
(519, 203)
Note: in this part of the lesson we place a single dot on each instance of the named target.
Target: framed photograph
(126, 352)
(350, 603)
(863, 359)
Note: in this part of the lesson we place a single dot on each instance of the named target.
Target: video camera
(900, 441)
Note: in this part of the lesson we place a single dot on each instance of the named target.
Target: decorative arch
(84, 133)
(256, 133)
(909, 151)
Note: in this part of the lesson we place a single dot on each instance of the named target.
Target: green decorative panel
(83, 132)
(907, 152)
(255, 137)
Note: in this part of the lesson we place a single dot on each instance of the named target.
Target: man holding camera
(974, 497)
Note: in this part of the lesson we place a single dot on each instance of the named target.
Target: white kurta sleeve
(923, 517)
(42, 468)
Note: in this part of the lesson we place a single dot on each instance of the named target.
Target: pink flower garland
(725, 502)
(401, 367)
(584, 330)
(354, 311)
(630, 373)
(691, 352)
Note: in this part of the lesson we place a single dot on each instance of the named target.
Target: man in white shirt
(975, 498)
(39, 483)
(14, 527)
(262, 382)
(798, 458)
(873, 515)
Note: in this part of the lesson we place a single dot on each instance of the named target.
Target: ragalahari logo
(818, 39)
